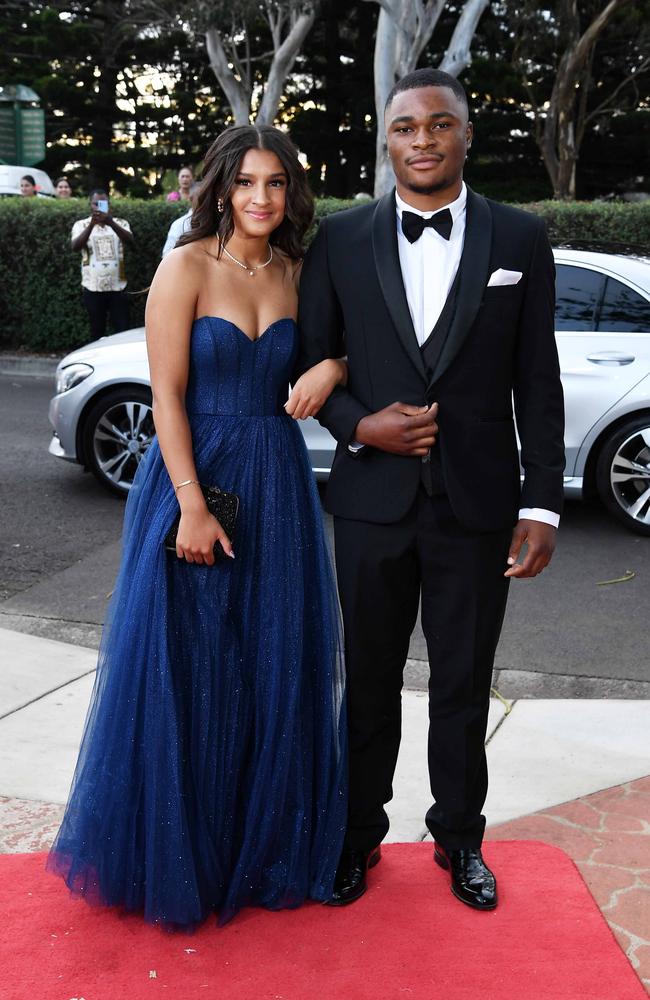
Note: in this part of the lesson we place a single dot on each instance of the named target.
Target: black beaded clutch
(224, 506)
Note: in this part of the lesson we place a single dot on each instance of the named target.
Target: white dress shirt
(430, 264)
(429, 267)
(176, 230)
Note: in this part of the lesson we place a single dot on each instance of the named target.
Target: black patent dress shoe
(471, 880)
(350, 882)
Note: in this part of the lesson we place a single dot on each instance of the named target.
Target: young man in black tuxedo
(443, 302)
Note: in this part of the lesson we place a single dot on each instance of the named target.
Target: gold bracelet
(186, 482)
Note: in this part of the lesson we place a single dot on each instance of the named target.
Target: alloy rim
(630, 476)
(122, 436)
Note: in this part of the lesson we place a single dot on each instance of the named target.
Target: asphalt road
(565, 635)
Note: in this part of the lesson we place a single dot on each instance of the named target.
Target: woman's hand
(198, 530)
(314, 387)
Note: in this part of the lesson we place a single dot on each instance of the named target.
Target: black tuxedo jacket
(500, 346)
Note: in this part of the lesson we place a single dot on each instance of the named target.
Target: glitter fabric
(212, 768)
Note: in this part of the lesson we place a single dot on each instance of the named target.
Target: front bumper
(55, 448)
(63, 418)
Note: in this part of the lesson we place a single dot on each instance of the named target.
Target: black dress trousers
(104, 305)
(383, 569)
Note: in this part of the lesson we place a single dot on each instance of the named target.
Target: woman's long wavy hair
(221, 167)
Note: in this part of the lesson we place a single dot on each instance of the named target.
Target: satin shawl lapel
(384, 245)
(474, 266)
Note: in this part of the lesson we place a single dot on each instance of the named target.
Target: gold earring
(220, 205)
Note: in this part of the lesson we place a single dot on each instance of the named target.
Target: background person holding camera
(101, 239)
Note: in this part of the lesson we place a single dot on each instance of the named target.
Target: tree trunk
(238, 97)
(458, 55)
(403, 31)
(547, 148)
(281, 65)
(561, 134)
(384, 74)
(239, 93)
(567, 158)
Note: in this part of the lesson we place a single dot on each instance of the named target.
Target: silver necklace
(251, 269)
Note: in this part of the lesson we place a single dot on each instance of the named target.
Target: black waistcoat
(432, 474)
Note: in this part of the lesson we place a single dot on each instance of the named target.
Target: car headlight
(71, 375)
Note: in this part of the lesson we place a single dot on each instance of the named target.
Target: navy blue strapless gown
(212, 768)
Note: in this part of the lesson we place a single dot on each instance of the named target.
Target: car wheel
(623, 474)
(117, 433)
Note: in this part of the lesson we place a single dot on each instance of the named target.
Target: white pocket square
(503, 277)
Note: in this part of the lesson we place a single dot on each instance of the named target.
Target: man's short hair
(428, 78)
(97, 191)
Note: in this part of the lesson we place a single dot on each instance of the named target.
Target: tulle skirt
(212, 769)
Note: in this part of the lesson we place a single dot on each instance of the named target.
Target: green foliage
(327, 206)
(616, 225)
(129, 95)
(82, 59)
(331, 118)
(611, 93)
(40, 295)
(611, 225)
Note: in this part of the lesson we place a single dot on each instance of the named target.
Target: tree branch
(580, 52)
(427, 19)
(387, 5)
(602, 109)
(238, 97)
(281, 65)
(458, 55)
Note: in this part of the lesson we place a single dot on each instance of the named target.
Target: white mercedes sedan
(101, 412)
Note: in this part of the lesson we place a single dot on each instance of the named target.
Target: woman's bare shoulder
(186, 263)
(189, 255)
(292, 266)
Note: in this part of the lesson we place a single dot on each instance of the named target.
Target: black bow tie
(414, 225)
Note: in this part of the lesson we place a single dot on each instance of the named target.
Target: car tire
(117, 432)
(623, 474)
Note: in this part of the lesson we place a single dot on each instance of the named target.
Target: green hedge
(40, 290)
(619, 225)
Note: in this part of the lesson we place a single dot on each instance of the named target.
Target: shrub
(40, 292)
(611, 223)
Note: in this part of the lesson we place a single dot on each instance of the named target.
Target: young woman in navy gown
(212, 768)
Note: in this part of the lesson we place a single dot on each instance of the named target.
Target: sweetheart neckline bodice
(252, 340)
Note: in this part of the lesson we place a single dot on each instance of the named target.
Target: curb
(35, 367)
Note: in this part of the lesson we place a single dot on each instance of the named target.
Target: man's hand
(541, 545)
(400, 428)
(100, 218)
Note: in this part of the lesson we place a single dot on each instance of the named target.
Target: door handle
(611, 358)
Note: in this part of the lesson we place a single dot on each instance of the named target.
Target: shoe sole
(441, 861)
(474, 906)
(373, 860)
(444, 864)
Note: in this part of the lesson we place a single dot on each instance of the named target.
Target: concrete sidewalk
(554, 768)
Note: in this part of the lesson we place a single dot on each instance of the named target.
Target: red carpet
(407, 939)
